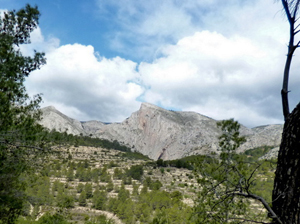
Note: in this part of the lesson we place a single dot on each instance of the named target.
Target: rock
(268, 135)
(53, 119)
(160, 133)
(272, 154)
(164, 134)
(91, 127)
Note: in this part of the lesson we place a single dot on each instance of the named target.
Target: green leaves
(20, 135)
(226, 182)
(230, 139)
(19, 25)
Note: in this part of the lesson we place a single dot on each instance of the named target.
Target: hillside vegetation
(85, 183)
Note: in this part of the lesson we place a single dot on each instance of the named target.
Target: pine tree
(82, 199)
(21, 141)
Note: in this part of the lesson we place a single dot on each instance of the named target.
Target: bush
(52, 219)
(136, 172)
(82, 199)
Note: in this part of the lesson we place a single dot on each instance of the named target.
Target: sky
(222, 59)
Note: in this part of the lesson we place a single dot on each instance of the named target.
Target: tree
(82, 199)
(20, 137)
(110, 186)
(136, 172)
(99, 199)
(65, 199)
(123, 194)
(227, 183)
(70, 174)
(89, 190)
(50, 219)
(286, 192)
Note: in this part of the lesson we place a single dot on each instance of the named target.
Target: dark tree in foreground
(20, 138)
(286, 192)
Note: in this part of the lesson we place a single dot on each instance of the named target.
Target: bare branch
(296, 9)
(263, 201)
(249, 220)
(296, 27)
(287, 10)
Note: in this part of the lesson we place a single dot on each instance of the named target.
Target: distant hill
(160, 133)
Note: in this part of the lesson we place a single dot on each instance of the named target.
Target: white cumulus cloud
(76, 79)
(217, 76)
(220, 58)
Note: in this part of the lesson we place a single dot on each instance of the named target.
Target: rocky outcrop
(161, 133)
(269, 135)
(157, 132)
(55, 120)
(273, 153)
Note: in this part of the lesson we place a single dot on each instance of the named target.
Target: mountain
(53, 119)
(161, 133)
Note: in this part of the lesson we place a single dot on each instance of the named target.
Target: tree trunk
(286, 192)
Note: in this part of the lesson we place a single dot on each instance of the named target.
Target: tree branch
(249, 220)
(262, 200)
(286, 9)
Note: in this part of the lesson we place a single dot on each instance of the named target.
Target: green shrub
(136, 172)
(52, 219)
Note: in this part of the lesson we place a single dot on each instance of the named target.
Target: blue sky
(71, 21)
(223, 59)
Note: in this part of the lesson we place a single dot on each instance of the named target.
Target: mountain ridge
(161, 133)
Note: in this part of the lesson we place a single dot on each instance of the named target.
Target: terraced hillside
(87, 184)
(84, 184)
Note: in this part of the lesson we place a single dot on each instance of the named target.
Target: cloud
(217, 76)
(147, 26)
(220, 58)
(39, 43)
(86, 86)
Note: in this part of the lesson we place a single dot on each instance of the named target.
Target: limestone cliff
(53, 119)
(164, 134)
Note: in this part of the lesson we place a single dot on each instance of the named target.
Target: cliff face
(161, 133)
(53, 119)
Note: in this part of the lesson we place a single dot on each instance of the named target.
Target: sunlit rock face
(161, 133)
(53, 119)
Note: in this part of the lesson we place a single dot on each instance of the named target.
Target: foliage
(99, 200)
(52, 219)
(21, 141)
(256, 153)
(109, 186)
(101, 219)
(65, 199)
(69, 139)
(178, 163)
(88, 188)
(228, 183)
(136, 172)
(80, 187)
(38, 191)
(134, 155)
(152, 185)
(82, 199)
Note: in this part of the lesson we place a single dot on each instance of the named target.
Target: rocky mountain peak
(161, 133)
